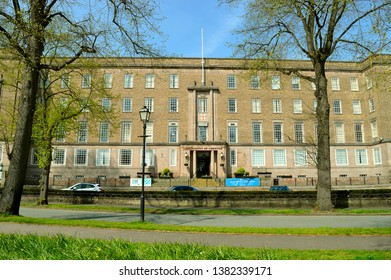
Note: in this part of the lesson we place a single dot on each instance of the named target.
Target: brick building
(208, 119)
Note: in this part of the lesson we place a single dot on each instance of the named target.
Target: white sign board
(137, 182)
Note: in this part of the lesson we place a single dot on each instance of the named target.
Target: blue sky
(184, 20)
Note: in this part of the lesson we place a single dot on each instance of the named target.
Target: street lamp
(144, 116)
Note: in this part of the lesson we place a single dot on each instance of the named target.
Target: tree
(318, 30)
(52, 34)
(58, 112)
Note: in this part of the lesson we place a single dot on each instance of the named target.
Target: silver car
(84, 187)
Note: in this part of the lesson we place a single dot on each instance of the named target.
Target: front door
(203, 164)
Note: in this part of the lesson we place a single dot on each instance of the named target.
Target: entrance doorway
(203, 164)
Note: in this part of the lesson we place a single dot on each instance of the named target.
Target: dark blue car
(280, 189)
(182, 188)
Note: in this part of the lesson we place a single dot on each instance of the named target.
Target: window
(297, 106)
(82, 132)
(149, 103)
(377, 156)
(299, 132)
(277, 106)
(358, 132)
(59, 156)
(356, 107)
(128, 81)
(173, 157)
(173, 104)
(149, 157)
(295, 83)
(202, 105)
(258, 157)
(80, 157)
(231, 105)
(361, 157)
(149, 132)
(174, 81)
(108, 80)
(277, 132)
(173, 133)
(353, 84)
(231, 82)
(300, 157)
(86, 81)
(44, 79)
(61, 133)
(279, 157)
(126, 129)
(374, 129)
(371, 105)
(104, 132)
(255, 82)
(149, 81)
(339, 132)
(127, 104)
(337, 105)
(369, 82)
(125, 157)
(65, 81)
(276, 82)
(34, 157)
(256, 105)
(335, 83)
(341, 157)
(232, 157)
(102, 157)
(315, 104)
(257, 132)
(106, 104)
(232, 133)
(203, 132)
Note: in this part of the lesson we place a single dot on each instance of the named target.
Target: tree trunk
(323, 186)
(44, 186)
(13, 189)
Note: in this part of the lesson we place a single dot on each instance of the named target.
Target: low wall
(211, 199)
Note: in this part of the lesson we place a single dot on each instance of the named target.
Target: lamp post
(144, 116)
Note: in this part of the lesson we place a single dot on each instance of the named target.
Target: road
(263, 221)
(214, 239)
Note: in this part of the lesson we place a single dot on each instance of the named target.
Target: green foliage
(165, 172)
(60, 247)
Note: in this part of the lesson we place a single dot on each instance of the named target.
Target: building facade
(212, 117)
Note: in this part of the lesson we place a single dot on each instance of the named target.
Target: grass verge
(59, 247)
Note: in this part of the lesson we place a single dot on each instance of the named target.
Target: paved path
(255, 241)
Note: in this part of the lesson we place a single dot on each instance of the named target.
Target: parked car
(84, 187)
(182, 188)
(280, 189)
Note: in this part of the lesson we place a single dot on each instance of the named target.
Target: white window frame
(233, 157)
(108, 80)
(255, 82)
(173, 157)
(173, 132)
(65, 81)
(278, 132)
(277, 106)
(257, 132)
(359, 132)
(276, 82)
(86, 80)
(377, 157)
(258, 157)
(82, 133)
(341, 157)
(103, 157)
(256, 105)
(232, 105)
(337, 106)
(174, 81)
(126, 132)
(279, 157)
(356, 104)
(374, 130)
(297, 106)
(106, 104)
(125, 159)
(339, 132)
(231, 81)
(149, 102)
(78, 155)
(59, 156)
(296, 83)
(173, 104)
(128, 81)
(335, 84)
(361, 156)
(104, 132)
(300, 157)
(354, 84)
(149, 80)
(372, 105)
(149, 132)
(298, 128)
(127, 104)
(232, 132)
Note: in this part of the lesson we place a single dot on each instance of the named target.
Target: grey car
(89, 187)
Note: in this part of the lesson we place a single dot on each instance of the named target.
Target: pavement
(215, 239)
